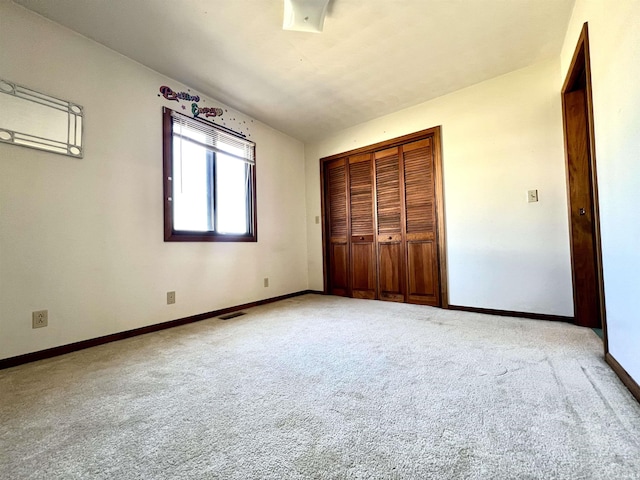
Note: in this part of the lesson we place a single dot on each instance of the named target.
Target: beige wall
(84, 238)
(614, 39)
(501, 138)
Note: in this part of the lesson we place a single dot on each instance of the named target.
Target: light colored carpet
(326, 388)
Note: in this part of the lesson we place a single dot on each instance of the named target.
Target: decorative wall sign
(35, 120)
(171, 95)
(206, 111)
(193, 103)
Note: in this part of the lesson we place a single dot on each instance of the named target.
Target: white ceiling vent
(304, 15)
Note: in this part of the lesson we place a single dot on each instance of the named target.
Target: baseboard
(619, 370)
(92, 342)
(508, 313)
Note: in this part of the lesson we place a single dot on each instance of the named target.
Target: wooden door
(362, 246)
(378, 241)
(423, 285)
(581, 210)
(391, 258)
(336, 206)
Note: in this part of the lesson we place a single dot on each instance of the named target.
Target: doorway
(582, 191)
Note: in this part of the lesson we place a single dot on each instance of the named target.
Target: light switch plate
(532, 196)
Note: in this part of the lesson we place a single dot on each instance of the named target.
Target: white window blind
(213, 138)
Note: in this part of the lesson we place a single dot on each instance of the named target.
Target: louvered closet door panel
(389, 233)
(337, 226)
(361, 195)
(388, 192)
(420, 223)
(363, 268)
(419, 187)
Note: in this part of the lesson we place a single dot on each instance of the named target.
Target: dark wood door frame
(435, 135)
(579, 79)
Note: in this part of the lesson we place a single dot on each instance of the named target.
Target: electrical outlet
(317, 220)
(171, 298)
(39, 319)
(266, 281)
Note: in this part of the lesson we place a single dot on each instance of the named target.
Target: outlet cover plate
(39, 319)
(171, 298)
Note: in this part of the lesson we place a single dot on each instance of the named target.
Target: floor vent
(229, 316)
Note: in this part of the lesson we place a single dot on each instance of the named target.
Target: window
(209, 182)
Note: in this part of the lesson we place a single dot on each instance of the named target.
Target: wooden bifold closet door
(363, 269)
(420, 226)
(337, 214)
(381, 223)
(391, 254)
(407, 250)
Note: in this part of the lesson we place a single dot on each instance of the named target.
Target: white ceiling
(374, 57)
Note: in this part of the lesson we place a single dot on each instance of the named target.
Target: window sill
(207, 237)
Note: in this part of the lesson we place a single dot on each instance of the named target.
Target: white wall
(501, 138)
(83, 238)
(614, 40)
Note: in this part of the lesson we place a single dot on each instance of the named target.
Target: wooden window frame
(173, 235)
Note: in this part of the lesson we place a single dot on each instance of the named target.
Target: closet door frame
(435, 135)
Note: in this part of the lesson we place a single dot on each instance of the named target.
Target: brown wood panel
(363, 279)
(396, 237)
(363, 157)
(441, 234)
(364, 294)
(422, 273)
(362, 238)
(581, 211)
(338, 259)
(391, 271)
(419, 145)
(420, 236)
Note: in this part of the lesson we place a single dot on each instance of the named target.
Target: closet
(383, 235)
